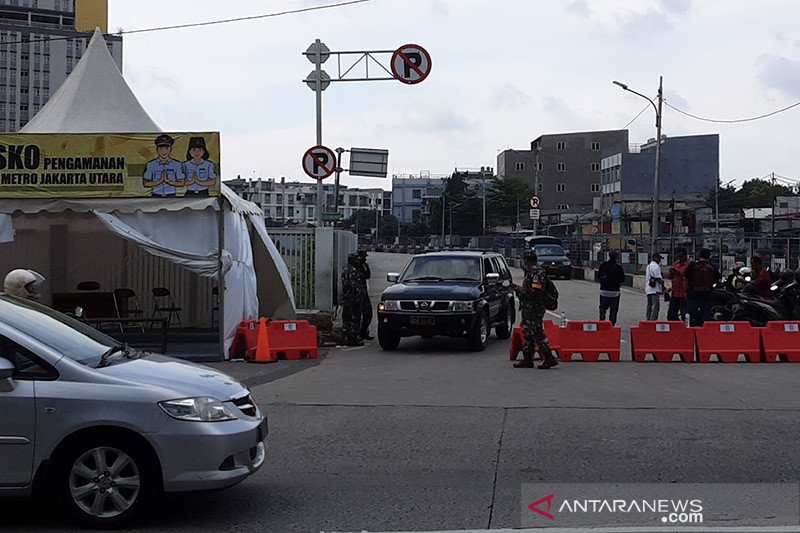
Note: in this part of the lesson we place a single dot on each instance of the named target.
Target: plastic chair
(163, 302)
(127, 305)
(88, 286)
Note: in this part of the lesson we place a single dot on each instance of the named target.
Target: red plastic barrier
(551, 330)
(663, 340)
(781, 342)
(245, 340)
(728, 340)
(292, 339)
(590, 339)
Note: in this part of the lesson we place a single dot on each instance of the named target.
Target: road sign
(317, 48)
(370, 162)
(332, 217)
(535, 202)
(319, 162)
(311, 80)
(411, 64)
(534, 214)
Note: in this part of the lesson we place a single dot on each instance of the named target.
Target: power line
(732, 121)
(197, 24)
(634, 118)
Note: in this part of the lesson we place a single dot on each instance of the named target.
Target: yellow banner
(124, 165)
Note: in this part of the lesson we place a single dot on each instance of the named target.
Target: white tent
(95, 98)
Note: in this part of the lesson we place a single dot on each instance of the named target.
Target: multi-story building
(41, 41)
(563, 168)
(412, 194)
(688, 172)
(294, 202)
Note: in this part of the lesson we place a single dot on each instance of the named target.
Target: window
(561, 166)
(595, 167)
(539, 166)
(416, 193)
(595, 187)
(561, 187)
(27, 364)
(279, 199)
(561, 145)
(595, 147)
(519, 166)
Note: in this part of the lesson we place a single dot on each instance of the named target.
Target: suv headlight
(463, 306)
(389, 305)
(203, 409)
(566, 263)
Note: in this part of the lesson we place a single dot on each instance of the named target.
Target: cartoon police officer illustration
(199, 171)
(163, 174)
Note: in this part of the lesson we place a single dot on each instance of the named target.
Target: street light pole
(656, 204)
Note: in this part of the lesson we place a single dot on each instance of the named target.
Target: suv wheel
(477, 337)
(503, 331)
(389, 340)
(105, 482)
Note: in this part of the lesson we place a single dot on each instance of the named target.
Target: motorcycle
(758, 310)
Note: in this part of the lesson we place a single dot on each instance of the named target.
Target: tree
(362, 221)
(502, 202)
(388, 226)
(753, 193)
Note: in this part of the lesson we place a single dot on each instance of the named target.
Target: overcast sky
(504, 72)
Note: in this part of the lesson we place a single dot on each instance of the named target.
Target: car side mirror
(567, 253)
(7, 368)
(392, 277)
(492, 277)
(79, 312)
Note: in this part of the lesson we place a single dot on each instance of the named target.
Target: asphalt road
(432, 437)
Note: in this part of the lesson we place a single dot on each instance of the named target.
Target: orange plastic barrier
(590, 339)
(728, 340)
(292, 339)
(662, 340)
(781, 342)
(551, 330)
(245, 340)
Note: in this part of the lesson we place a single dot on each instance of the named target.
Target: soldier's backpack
(550, 299)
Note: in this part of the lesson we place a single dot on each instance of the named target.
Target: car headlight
(463, 306)
(389, 305)
(203, 409)
(566, 263)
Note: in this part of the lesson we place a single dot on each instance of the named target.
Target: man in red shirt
(677, 304)
(761, 277)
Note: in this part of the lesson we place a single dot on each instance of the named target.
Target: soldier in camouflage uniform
(366, 305)
(530, 296)
(354, 290)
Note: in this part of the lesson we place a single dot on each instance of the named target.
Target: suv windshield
(67, 336)
(441, 268)
(549, 249)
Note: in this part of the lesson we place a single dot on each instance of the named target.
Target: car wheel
(105, 482)
(503, 331)
(389, 340)
(568, 275)
(477, 337)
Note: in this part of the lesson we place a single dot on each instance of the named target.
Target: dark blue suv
(453, 294)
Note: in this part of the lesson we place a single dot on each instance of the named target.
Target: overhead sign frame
(369, 162)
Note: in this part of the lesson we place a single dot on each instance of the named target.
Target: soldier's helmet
(530, 255)
(362, 254)
(353, 259)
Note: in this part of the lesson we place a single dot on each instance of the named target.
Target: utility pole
(774, 198)
(535, 186)
(444, 197)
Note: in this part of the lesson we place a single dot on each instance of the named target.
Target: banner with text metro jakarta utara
(107, 165)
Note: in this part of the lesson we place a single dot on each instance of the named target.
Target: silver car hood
(184, 378)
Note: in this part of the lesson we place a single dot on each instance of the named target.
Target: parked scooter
(784, 303)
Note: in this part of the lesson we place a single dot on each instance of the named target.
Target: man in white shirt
(653, 286)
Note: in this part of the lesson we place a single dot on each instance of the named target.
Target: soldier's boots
(353, 342)
(549, 362)
(527, 361)
(366, 336)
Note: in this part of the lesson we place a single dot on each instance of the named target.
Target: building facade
(563, 168)
(412, 194)
(294, 202)
(41, 41)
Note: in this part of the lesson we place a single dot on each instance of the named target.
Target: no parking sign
(411, 64)
(319, 162)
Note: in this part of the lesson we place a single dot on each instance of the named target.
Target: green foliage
(753, 193)
(502, 202)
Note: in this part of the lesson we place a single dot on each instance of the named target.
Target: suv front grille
(425, 306)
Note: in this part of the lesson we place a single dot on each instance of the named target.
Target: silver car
(104, 428)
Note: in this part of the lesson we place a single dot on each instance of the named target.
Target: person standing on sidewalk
(611, 276)
(677, 274)
(366, 305)
(701, 276)
(653, 287)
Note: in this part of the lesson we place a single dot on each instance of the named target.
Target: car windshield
(441, 268)
(549, 249)
(67, 336)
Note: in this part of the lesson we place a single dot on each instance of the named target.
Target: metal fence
(298, 249)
